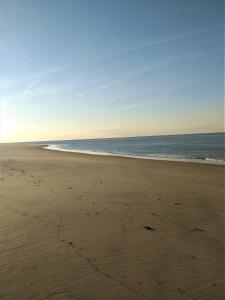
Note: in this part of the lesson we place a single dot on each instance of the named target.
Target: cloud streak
(149, 44)
(29, 86)
(139, 72)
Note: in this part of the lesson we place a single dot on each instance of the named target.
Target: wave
(206, 160)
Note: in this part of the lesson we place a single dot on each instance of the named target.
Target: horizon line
(111, 138)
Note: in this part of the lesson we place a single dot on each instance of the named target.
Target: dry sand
(91, 227)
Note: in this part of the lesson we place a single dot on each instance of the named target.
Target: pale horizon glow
(98, 69)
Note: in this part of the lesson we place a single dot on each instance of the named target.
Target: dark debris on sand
(149, 228)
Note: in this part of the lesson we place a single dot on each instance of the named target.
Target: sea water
(207, 147)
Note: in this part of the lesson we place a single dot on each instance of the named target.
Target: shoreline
(200, 161)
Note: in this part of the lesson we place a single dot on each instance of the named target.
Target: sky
(110, 68)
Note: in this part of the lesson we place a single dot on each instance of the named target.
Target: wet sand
(88, 227)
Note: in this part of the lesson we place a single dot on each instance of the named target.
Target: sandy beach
(86, 227)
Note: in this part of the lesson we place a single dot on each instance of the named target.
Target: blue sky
(105, 68)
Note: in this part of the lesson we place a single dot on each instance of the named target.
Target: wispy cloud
(29, 86)
(6, 82)
(139, 72)
(153, 43)
(36, 84)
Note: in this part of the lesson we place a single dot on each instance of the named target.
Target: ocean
(207, 147)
